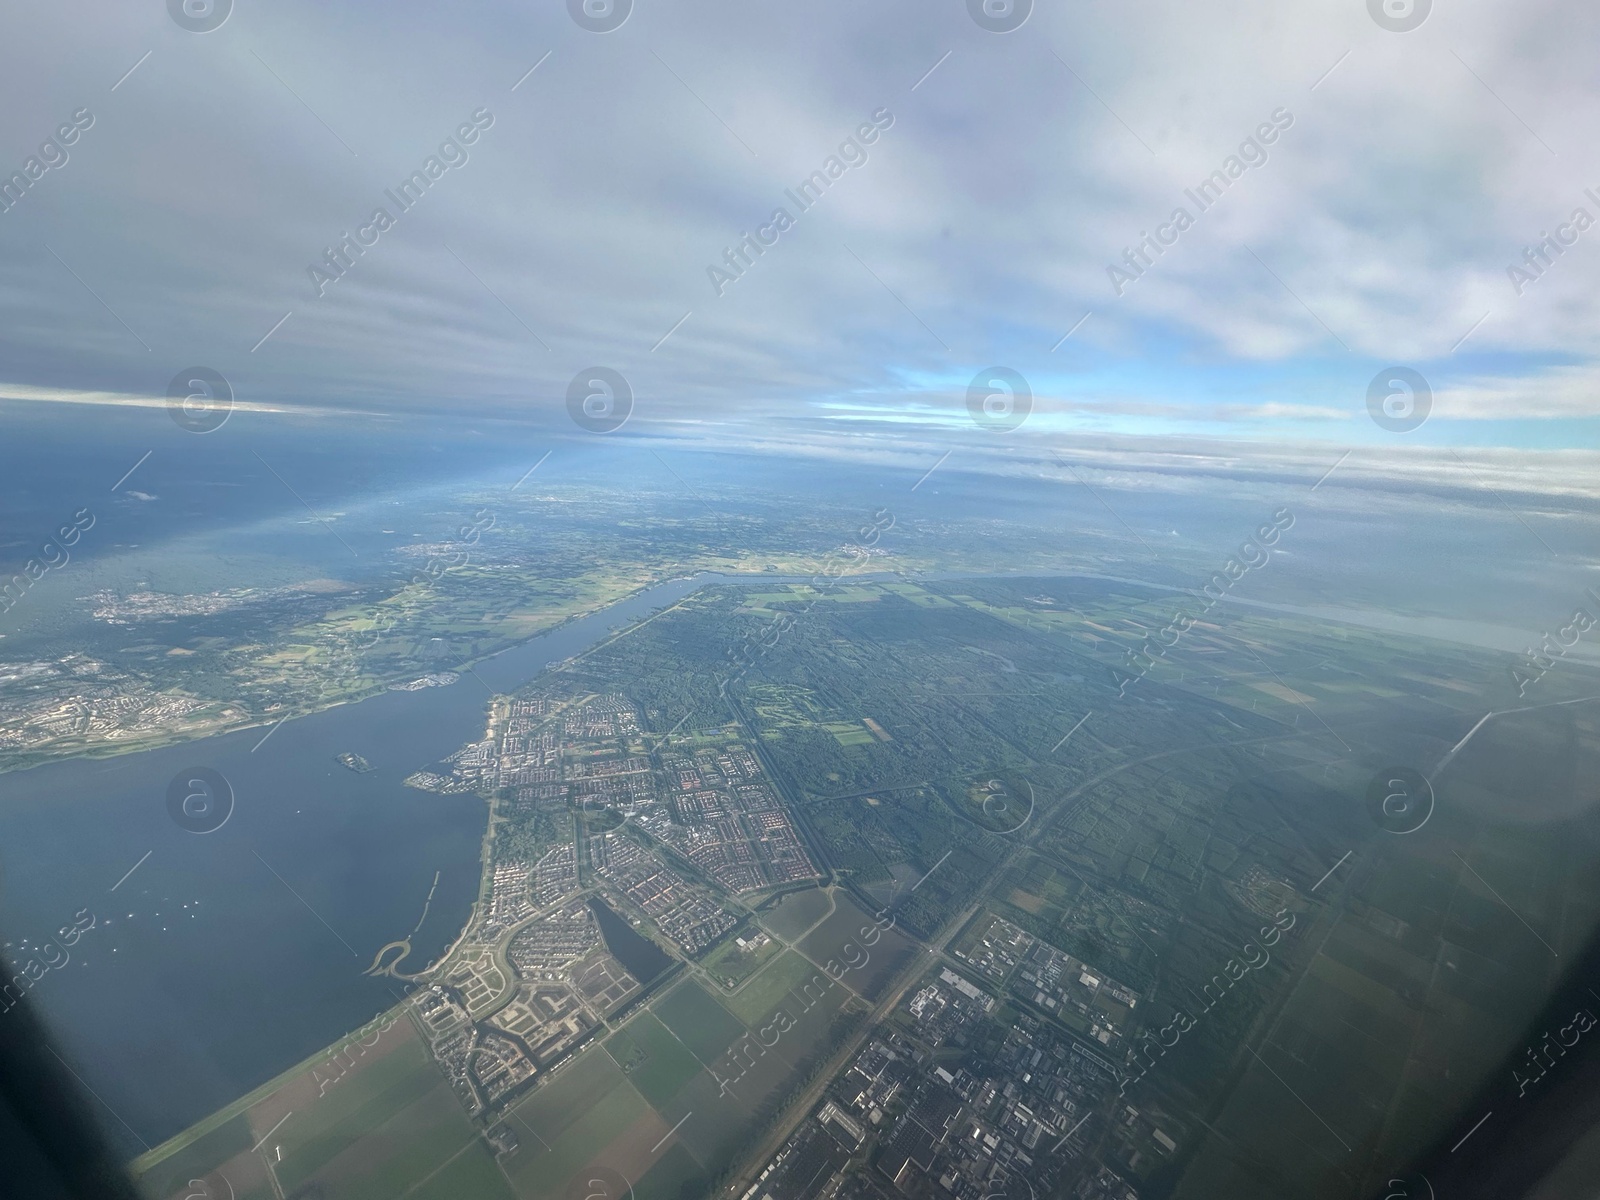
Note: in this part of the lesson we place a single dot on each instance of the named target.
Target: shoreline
(603, 638)
(109, 750)
(187, 1137)
(1475, 635)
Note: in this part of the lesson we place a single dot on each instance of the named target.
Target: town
(948, 1098)
(590, 820)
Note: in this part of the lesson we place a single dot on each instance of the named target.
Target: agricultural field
(731, 963)
(858, 948)
(365, 1126)
(796, 912)
(668, 1098)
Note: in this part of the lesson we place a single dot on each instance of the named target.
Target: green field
(839, 939)
(596, 1127)
(393, 1155)
(766, 991)
(595, 1114)
(850, 734)
(656, 1062)
(356, 1107)
(704, 1026)
(198, 1158)
(564, 1097)
(571, 1121)
(797, 912)
(627, 1053)
(668, 1178)
(387, 1124)
(473, 1173)
(731, 964)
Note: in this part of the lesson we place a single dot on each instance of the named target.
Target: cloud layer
(1376, 228)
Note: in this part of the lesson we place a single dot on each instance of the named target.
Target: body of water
(643, 959)
(217, 960)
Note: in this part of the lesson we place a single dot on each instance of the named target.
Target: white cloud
(1555, 393)
(1378, 231)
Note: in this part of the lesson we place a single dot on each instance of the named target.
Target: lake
(641, 957)
(226, 957)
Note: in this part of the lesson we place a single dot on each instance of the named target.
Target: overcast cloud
(1377, 229)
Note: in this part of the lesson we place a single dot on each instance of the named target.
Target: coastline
(120, 749)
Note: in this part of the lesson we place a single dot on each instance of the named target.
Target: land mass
(869, 889)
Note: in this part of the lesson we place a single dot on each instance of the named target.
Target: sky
(1384, 175)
